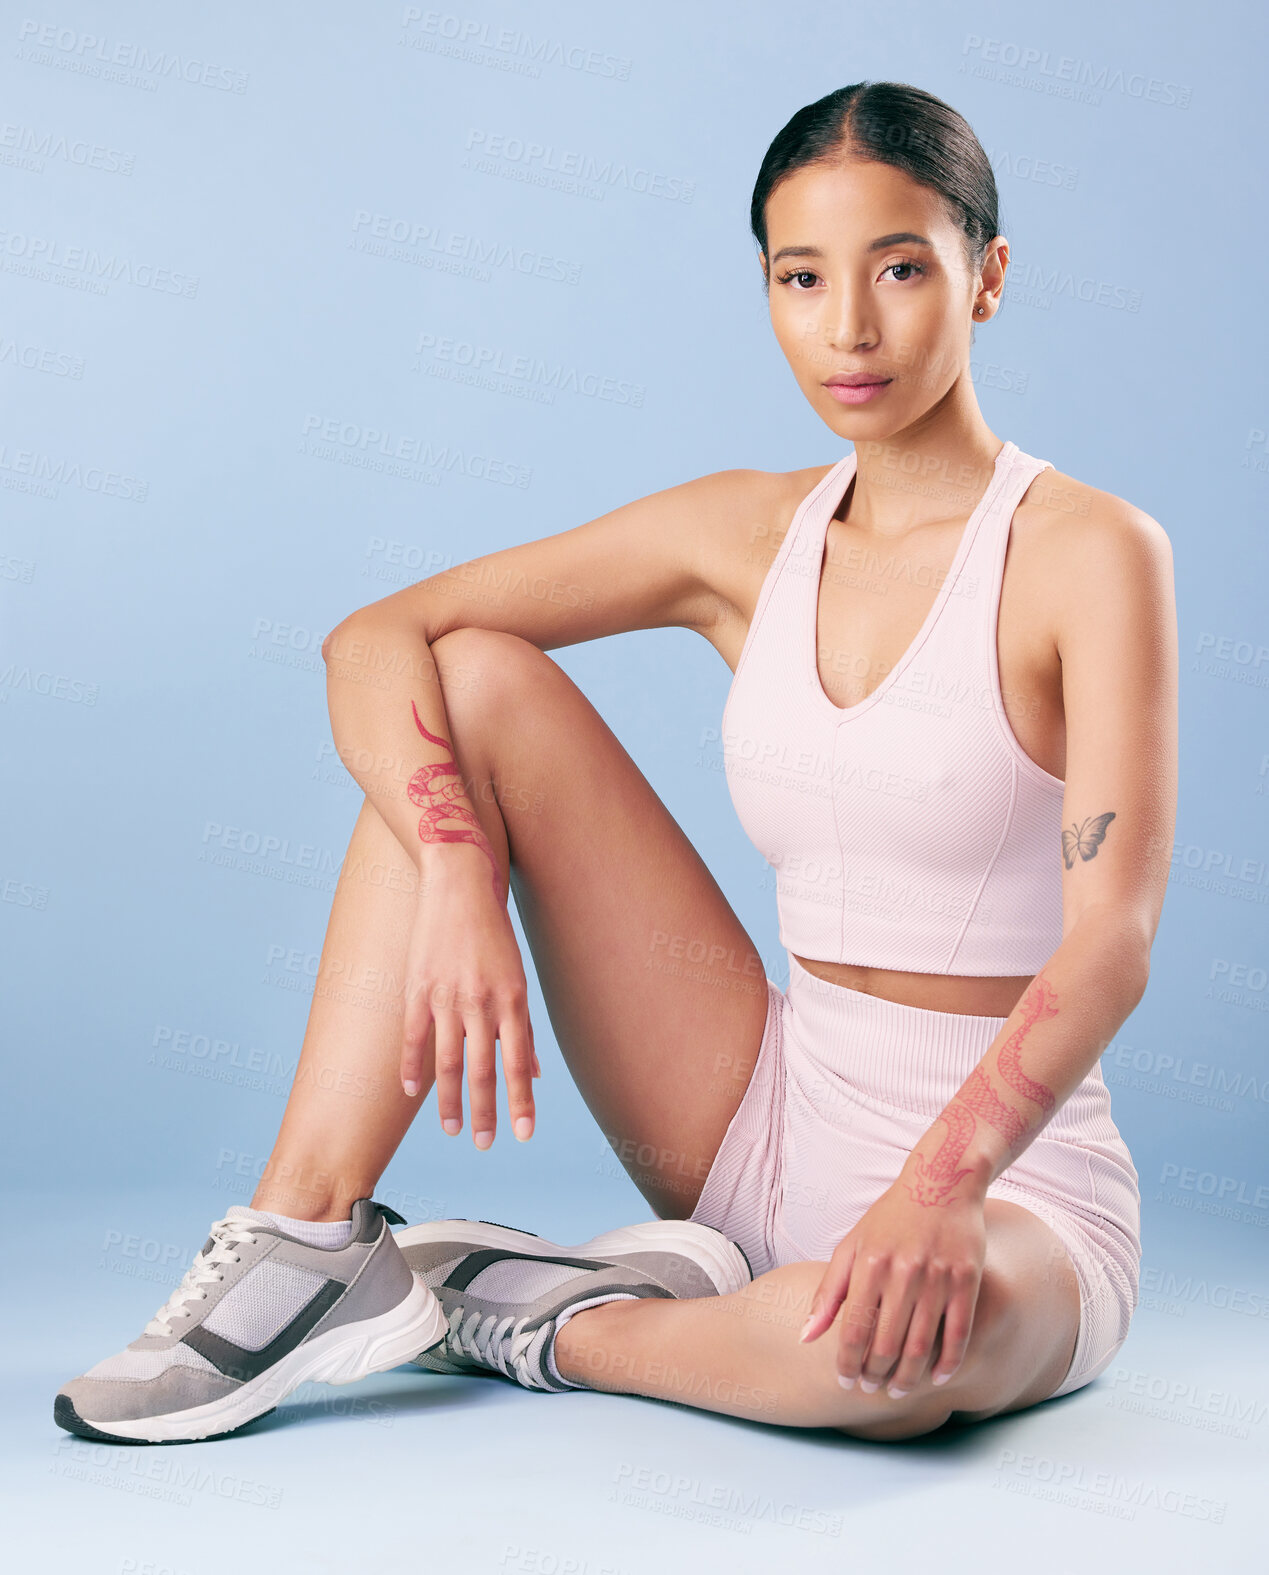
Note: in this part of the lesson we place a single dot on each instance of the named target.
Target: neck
(919, 476)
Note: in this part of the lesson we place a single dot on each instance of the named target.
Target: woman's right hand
(465, 978)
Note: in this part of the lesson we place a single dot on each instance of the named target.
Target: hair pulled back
(896, 124)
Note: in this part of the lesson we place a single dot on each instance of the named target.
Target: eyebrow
(899, 238)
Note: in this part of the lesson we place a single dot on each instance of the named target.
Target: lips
(853, 379)
(856, 388)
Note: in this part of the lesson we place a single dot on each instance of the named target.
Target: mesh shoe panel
(142, 1365)
(262, 1303)
(521, 1279)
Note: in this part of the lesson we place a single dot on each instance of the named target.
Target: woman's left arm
(916, 1257)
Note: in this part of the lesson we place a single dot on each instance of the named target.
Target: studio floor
(1159, 1464)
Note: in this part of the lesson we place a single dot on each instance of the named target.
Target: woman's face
(867, 274)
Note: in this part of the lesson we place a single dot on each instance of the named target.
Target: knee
(473, 648)
(881, 1419)
(484, 664)
(911, 1418)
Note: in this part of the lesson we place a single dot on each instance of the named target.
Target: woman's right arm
(661, 561)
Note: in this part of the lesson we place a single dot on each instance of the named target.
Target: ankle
(304, 1191)
(291, 1207)
(589, 1344)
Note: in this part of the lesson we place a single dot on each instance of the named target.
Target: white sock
(315, 1233)
(562, 1319)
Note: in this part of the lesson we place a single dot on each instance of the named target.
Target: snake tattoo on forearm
(935, 1179)
(436, 789)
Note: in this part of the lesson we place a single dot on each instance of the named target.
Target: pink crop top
(909, 831)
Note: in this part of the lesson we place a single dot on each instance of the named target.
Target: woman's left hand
(905, 1267)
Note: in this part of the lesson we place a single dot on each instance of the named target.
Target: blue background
(173, 550)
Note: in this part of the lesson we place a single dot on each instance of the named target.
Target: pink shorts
(843, 1088)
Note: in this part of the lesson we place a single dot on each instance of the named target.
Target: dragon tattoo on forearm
(934, 1180)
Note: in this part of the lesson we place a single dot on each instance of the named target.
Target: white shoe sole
(341, 1356)
(721, 1259)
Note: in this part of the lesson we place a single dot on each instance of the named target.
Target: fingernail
(870, 1386)
(896, 1394)
(524, 1128)
(484, 1139)
(846, 1383)
(411, 1089)
(941, 1378)
(806, 1327)
(452, 1125)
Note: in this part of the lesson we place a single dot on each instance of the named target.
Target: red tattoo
(1038, 1003)
(985, 1103)
(436, 789)
(935, 1180)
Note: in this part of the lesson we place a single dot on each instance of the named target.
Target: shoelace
(502, 1343)
(226, 1235)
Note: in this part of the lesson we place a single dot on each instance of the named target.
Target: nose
(847, 324)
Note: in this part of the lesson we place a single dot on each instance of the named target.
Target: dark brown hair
(889, 123)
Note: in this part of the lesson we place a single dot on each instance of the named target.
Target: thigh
(656, 994)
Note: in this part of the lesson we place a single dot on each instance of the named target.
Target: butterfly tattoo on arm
(1086, 839)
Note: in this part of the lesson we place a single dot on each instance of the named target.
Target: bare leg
(610, 893)
(740, 1354)
(347, 1112)
(609, 889)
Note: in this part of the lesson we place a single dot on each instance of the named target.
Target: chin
(860, 425)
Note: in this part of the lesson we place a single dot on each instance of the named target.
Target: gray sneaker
(504, 1291)
(257, 1314)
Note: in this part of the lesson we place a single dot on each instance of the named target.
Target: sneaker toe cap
(102, 1400)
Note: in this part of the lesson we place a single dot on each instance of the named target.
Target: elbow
(347, 640)
(344, 651)
(1139, 978)
(1136, 939)
(1122, 940)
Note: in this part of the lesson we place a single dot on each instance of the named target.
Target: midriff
(935, 992)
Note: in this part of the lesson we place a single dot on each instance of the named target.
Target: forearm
(392, 732)
(1064, 1020)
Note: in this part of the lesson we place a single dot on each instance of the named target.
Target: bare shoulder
(1089, 549)
(1062, 507)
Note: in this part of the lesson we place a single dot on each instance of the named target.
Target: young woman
(951, 731)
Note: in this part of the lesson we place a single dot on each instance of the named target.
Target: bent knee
(485, 663)
(479, 646)
(911, 1418)
(882, 1419)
